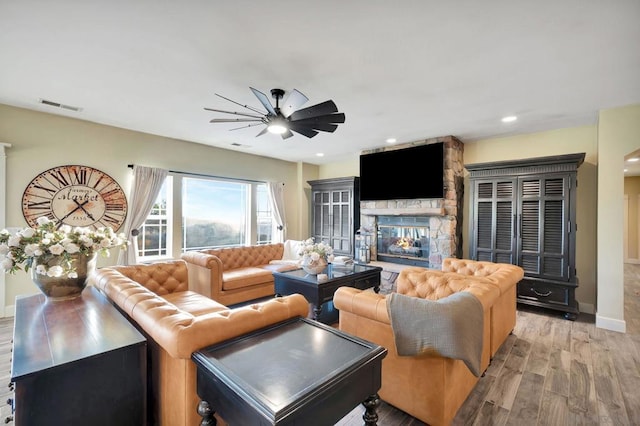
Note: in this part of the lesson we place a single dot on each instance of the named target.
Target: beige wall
(562, 141)
(40, 141)
(350, 167)
(632, 195)
(618, 135)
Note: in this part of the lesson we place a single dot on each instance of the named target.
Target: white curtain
(276, 195)
(147, 182)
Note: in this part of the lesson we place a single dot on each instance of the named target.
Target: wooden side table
(77, 362)
(293, 373)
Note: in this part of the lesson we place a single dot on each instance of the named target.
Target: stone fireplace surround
(444, 214)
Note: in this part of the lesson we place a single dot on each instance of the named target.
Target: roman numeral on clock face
(42, 205)
(81, 176)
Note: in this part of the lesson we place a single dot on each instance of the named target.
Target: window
(154, 239)
(204, 212)
(214, 213)
(264, 215)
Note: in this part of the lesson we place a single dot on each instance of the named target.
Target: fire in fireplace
(405, 241)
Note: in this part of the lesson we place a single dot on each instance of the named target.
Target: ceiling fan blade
(324, 108)
(264, 101)
(303, 130)
(330, 118)
(262, 132)
(295, 100)
(248, 125)
(233, 120)
(325, 127)
(237, 103)
(287, 134)
(232, 112)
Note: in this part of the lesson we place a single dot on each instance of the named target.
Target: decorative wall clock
(76, 196)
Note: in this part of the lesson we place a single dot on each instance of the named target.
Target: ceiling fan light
(276, 128)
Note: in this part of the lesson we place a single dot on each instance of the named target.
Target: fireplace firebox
(403, 240)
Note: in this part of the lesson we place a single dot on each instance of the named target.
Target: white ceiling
(405, 69)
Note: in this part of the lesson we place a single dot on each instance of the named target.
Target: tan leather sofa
(429, 387)
(505, 277)
(236, 274)
(178, 322)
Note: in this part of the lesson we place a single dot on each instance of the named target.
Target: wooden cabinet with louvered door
(494, 212)
(335, 205)
(524, 213)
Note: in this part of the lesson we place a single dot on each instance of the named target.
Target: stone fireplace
(403, 239)
(420, 232)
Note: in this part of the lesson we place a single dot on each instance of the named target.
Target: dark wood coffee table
(297, 372)
(318, 292)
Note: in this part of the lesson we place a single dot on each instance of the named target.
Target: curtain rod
(204, 175)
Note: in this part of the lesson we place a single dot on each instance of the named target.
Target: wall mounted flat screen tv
(408, 173)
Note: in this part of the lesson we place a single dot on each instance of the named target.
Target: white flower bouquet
(38, 246)
(311, 252)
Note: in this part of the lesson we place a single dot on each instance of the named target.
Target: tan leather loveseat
(236, 274)
(178, 322)
(429, 387)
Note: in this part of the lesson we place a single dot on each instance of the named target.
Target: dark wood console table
(77, 362)
(298, 372)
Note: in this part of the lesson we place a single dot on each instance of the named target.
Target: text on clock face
(79, 194)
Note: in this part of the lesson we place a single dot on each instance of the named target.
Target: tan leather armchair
(429, 387)
(178, 322)
(505, 277)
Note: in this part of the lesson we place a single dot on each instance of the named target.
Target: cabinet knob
(8, 419)
(10, 401)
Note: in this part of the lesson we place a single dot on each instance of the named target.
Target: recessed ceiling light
(509, 119)
(633, 160)
(391, 140)
(320, 154)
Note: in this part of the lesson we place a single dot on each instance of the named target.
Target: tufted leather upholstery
(178, 322)
(505, 277)
(240, 257)
(429, 387)
(235, 274)
(163, 278)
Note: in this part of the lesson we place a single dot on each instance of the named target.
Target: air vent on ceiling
(59, 105)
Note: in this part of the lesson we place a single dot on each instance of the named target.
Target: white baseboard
(587, 308)
(611, 324)
(9, 311)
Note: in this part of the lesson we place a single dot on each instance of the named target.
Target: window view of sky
(213, 200)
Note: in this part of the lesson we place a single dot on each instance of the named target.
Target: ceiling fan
(286, 118)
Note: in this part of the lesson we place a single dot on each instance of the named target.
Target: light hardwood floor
(550, 371)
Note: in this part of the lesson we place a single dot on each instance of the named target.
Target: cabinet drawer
(365, 283)
(556, 294)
